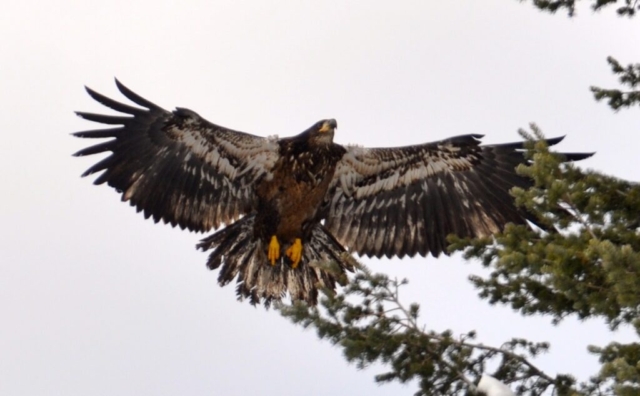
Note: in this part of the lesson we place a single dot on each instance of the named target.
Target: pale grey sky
(96, 300)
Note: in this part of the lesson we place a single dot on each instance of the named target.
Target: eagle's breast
(300, 181)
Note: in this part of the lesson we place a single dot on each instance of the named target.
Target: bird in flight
(290, 203)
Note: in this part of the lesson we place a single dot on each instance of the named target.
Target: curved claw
(295, 253)
(274, 250)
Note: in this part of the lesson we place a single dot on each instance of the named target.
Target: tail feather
(243, 257)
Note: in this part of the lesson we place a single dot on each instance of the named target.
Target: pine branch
(371, 324)
(627, 75)
(628, 8)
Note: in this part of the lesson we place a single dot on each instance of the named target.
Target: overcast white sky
(96, 300)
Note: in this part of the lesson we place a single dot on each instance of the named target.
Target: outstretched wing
(406, 200)
(177, 166)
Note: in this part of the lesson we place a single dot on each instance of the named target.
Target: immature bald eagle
(289, 203)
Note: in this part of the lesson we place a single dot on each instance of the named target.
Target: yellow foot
(295, 253)
(274, 250)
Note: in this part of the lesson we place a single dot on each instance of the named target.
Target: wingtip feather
(577, 156)
(554, 141)
(134, 97)
(121, 87)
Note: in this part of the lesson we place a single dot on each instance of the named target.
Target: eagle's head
(321, 132)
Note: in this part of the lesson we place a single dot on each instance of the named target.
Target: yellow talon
(274, 250)
(295, 253)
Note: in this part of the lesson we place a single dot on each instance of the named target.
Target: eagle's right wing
(176, 166)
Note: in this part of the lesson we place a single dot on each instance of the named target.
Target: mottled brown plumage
(311, 196)
(301, 177)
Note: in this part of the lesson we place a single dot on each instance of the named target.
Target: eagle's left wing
(175, 165)
(406, 200)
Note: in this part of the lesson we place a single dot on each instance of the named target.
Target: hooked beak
(328, 126)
